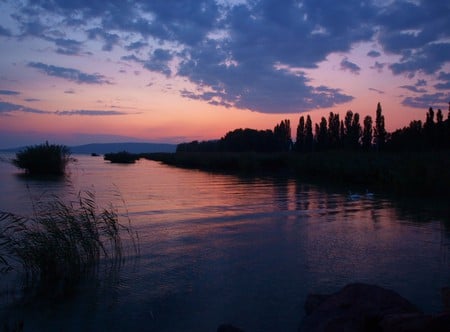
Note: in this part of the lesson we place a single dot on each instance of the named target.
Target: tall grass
(62, 241)
(43, 159)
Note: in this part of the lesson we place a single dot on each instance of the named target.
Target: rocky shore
(361, 307)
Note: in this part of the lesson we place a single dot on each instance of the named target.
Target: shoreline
(405, 173)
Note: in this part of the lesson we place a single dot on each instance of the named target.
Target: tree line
(334, 134)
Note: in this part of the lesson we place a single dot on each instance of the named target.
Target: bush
(61, 241)
(44, 159)
(122, 157)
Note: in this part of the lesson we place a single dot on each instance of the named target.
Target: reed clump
(123, 157)
(43, 159)
(62, 241)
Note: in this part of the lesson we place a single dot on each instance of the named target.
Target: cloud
(159, 61)
(350, 66)
(417, 31)
(232, 51)
(9, 92)
(436, 100)
(8, 108)
(376, 90)
(30, 100)
(109, 39)
(443, 76)
(421, 83)
(413, 88)
(373, 54)
(5, 32)
(69, 74)
(136, 45)
(90, 112)
(378, 66)
(68, 46)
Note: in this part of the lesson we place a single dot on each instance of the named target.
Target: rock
(357, 307)
(228, 328)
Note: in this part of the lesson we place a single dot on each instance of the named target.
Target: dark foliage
(122, 157)
(44, 159)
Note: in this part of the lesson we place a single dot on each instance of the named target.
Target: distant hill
(102, 148)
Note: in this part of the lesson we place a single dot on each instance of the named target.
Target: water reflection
(220, 248)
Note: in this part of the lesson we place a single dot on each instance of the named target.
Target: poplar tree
(300, 139)
(380, 131)
(309, 138)
(367, 133)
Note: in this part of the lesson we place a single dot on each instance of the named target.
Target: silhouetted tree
(309, 138)
(322, 135)
(333, 131)
(380, 132)
(429, 129)
(282, 134)
(367, 133)
(356, 132)
(352, 132)
(301, 133)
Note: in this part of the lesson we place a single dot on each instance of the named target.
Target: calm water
(218, 248)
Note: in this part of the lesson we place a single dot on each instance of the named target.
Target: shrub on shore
(122, 157)
(62, 241)
(43, 159)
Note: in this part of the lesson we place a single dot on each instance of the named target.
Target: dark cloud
(378, 66)
(5, 32)
(7, 108)
(413, 88)
(159, 62)
(428, 60)
(91, 112)
(68, 46)
(109, 39)
(373, 54)
(443, 76)
(69, 74)
(136, 46)
(9, 92)
(350, 66)
(417, 32)
(258, 88)
(436, 100)
(31, 100)
(421, 83)
(377, 91)
(249, 55)
(70, 91)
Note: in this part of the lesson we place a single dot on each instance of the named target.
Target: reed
(43, 159)
(62, 241)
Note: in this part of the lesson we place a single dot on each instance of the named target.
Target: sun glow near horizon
(236, 65)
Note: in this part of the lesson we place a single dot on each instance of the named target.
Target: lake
(220, 248)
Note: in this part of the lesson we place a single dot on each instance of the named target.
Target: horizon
(182, 71)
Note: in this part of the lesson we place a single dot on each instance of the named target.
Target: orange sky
(99, 82)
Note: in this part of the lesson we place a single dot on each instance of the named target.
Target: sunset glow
(76, 72)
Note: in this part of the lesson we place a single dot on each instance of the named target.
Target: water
(221, 248)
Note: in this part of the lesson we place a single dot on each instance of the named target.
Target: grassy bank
(411, 173)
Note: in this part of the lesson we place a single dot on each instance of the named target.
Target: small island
(122, 157)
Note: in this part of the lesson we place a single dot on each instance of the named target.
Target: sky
(81, 71)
